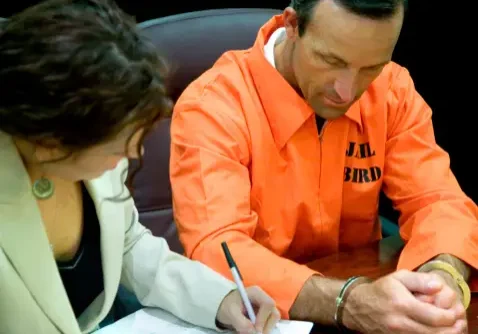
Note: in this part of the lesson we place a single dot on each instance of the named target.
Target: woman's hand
(232, 313)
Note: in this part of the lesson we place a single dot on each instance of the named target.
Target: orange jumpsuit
(248, 167)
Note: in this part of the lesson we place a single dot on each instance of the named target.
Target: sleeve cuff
(285, 292)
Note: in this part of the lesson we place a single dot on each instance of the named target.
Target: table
(374, 261)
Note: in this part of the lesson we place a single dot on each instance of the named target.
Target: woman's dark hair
(77, 72)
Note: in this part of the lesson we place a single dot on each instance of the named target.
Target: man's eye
(332, 61)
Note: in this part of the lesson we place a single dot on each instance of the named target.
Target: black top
(83, 275)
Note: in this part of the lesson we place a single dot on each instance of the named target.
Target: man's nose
(345, 86)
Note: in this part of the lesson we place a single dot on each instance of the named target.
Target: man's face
(339, 55)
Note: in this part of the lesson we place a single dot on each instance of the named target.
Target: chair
(191, 42)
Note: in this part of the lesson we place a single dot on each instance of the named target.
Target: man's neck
(283, 55)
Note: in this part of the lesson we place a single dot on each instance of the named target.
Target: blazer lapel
(25, 243)
(112, 224)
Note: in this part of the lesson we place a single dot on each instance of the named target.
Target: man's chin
(328, 113)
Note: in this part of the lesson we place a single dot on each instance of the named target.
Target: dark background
(435, 46)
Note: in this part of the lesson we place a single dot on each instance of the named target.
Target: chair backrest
(192, 42)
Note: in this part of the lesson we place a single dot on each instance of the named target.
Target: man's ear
(291, 23)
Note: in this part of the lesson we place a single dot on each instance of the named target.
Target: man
(252, 166)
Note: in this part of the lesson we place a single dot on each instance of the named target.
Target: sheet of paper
(293, 327)
(156, 321)
(153, 321)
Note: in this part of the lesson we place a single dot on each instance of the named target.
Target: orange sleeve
(436, 216)
(211, 198)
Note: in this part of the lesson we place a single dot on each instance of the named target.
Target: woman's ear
(47, 153)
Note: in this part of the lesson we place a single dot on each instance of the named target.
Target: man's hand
(389, 305)
(449, 297)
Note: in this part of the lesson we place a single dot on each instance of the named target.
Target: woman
(80, 90)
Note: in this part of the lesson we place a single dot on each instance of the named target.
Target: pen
(238, 280)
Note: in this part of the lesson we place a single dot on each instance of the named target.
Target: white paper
(156, 321)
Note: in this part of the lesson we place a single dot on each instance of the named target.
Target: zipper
(321, 136)
(321, 139)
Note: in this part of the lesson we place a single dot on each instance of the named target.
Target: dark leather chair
(191, 42)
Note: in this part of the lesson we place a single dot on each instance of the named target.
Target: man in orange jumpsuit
(251, 165)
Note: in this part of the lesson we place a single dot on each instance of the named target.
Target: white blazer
(32, 296)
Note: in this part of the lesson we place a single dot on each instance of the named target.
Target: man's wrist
(463, 268)
(342, 299)
(354, 299)
(317, 300)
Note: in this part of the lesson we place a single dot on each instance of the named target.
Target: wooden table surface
(373, 261)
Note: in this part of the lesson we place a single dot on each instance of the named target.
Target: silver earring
(43, 188)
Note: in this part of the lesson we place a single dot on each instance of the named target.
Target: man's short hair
(374, 9)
